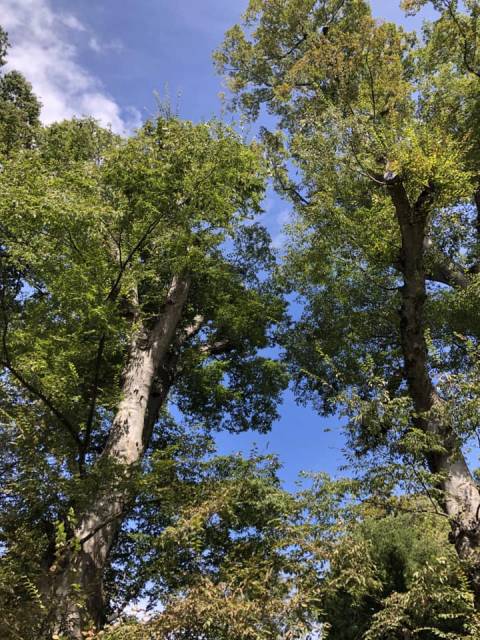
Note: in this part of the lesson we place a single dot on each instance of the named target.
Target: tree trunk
(79, 576)
(461, 500)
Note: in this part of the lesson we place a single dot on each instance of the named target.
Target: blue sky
(106, 58)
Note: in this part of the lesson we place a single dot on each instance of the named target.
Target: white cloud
(72, 22)
(103, 47)
(284, 217)
(43, 49)
(279, 240)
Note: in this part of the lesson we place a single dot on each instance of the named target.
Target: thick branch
(93, 402)
(217, 348)
(447, 272)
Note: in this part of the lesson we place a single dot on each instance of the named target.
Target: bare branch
(293, 191)
(191, 331)
(217, 348)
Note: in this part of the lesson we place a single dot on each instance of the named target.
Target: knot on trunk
(466, 540)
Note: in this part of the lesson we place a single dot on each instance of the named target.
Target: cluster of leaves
(360, 103)
(234, 562)
(394, 576)
(19, 107)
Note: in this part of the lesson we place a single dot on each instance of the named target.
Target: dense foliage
(375, 145)
(260, 563)
(139, 303)
(101, 238)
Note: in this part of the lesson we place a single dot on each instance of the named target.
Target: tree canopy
(132, 270)
(375, 145)
(142, 309)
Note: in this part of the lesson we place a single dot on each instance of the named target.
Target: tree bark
(81, 568)
(461, 500)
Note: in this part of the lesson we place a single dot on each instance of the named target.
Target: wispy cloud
(104, 47)
(72, 22)
(44, 49)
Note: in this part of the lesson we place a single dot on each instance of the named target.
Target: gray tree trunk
(79, 576)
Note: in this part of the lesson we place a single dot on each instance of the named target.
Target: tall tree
(129, 276)
(382, 130)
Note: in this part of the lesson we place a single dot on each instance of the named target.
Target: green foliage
(437, 605)
(19, 107)
(237, 560)
(360, 102)
(360, 105)
(21, 604)
(394, 575)
(93, 229)
(244, 559)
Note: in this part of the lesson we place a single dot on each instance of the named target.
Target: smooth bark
(147, 379)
